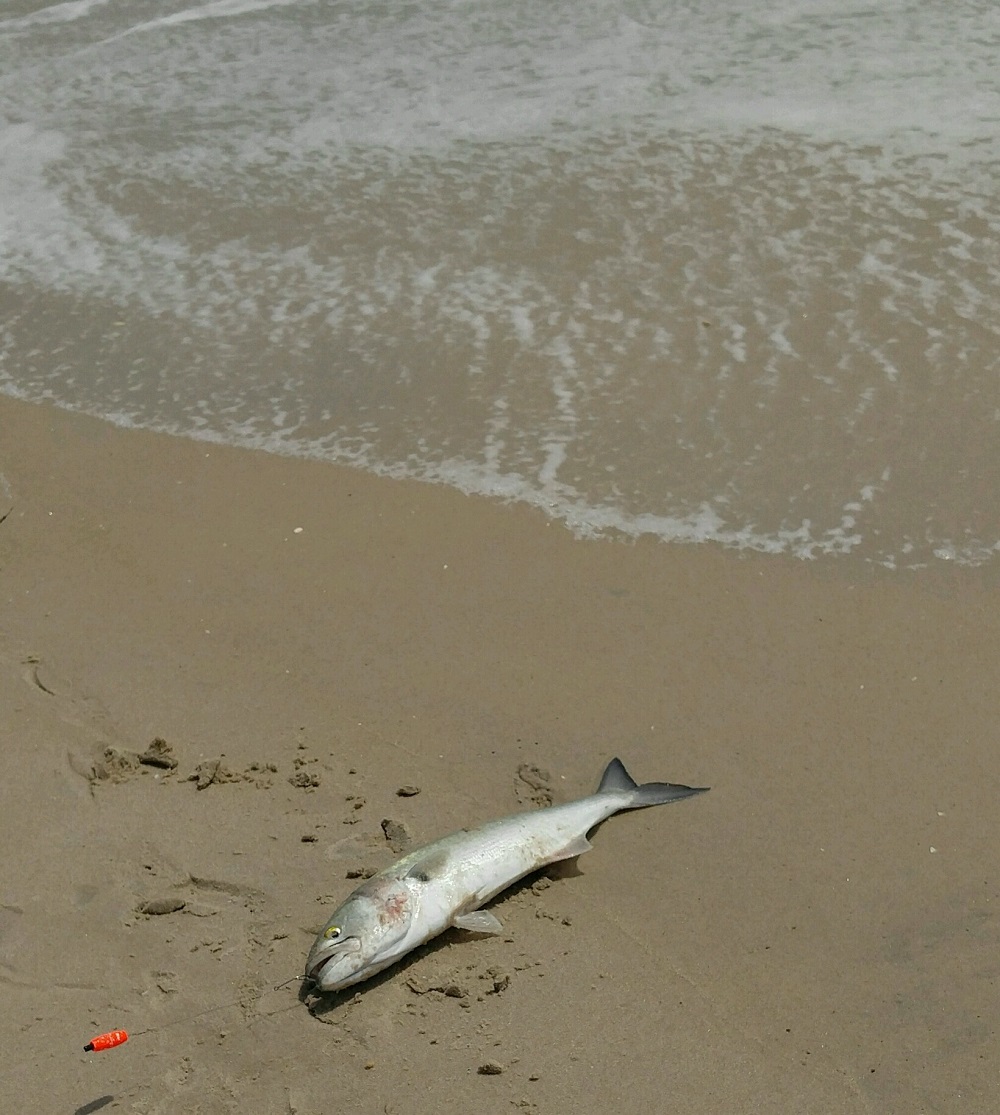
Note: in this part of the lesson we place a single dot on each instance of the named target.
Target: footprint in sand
(533, 786)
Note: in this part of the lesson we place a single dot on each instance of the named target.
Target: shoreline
(787, 942)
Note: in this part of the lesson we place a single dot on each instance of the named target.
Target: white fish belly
(464, 870)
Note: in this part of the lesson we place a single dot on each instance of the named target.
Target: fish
(445, 884)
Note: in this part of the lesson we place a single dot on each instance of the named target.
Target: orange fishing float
(106, 1041)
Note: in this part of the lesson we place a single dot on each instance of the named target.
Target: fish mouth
(314, 973)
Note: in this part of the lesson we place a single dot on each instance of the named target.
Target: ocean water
(718, 271)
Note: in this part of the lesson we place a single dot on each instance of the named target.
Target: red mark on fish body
(389, 897)
(393, 907)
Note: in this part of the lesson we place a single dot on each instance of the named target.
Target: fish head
(365, 934)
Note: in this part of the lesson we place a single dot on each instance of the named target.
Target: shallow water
(707, 271)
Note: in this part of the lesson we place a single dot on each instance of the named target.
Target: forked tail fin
(616, 779)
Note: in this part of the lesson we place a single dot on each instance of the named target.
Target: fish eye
(332, 932)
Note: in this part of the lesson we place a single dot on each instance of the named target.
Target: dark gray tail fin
(617, 779)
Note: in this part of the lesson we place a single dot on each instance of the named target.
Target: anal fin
(576, 847)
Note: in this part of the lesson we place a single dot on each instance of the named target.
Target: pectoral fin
(478, 921)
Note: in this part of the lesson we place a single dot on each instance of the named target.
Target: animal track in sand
(181, 899)
(533, 785)
(70, 705)
(32, 674)
(74, 706)
(224, 886)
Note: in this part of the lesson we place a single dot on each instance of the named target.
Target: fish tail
(616, 779)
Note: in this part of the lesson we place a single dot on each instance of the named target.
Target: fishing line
(112, 1038)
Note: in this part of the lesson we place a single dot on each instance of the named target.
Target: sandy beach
(817, 934)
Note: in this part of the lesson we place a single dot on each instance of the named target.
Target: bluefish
(444, 885)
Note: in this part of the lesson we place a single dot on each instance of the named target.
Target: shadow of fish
(444, 884)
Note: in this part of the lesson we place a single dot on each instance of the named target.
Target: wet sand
(819, 933)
